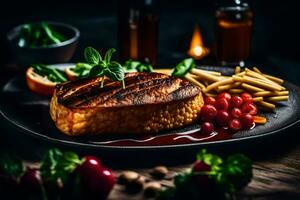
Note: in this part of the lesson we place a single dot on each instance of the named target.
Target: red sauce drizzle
(188, 137)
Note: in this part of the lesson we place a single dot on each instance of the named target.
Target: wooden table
(277, 178)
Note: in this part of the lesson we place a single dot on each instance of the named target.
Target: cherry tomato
(222, 118)
(90, 165)
(96, 181)
(200, 166)
(247, 98)
(246, 121)
(225, 95)
(208, 113)
(222, 104)
(236, 102)
(235, 125)
(207, 128)
(210, 100)
(236, 112)
(249, 108)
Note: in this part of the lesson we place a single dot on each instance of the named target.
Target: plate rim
(152, 147)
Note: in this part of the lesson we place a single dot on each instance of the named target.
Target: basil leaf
(108, 55)
(91, 55)
(10, 165)
(97, 70)
(184, 67)
(115, 71)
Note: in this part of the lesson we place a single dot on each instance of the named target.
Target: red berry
(247, 98)
(31, 181)
(236, 102)
(222, 104)
(200, 166)
(222, 118)
(235, 125)
(208, 113)
(207, 128)
(210, 100)
(96, 180)
(236, 112)
(90, 164)
(247, 121)
(249, 108)
(225, 95)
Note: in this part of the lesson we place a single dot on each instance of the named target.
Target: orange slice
(70, 74)
(259, 119)
(39, 84)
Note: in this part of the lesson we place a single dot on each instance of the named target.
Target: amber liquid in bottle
(233, 35)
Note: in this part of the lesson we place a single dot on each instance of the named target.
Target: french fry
(257, 70)
(277, 99)
(252, 88)
(235, 91)
(237, 69)
(259, 119)
(229, 86)
(210, 94)
(218, 83)
(209, 72)
(266, 105)
(269, 93)
(273, 78)
(257, 99)
(263, 78)
(205, 75)
(260, 83)
(194, 81)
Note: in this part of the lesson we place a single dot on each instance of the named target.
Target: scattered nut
(159, 172)
(127, 176)
(135, 185)
(151, 189)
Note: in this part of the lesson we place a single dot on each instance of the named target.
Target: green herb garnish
(10, 166)
(58, 165)
(104, 67)
(223, 179)
(39, 35)
(182, 68)
(81, 69)
(136, 66)
(52, 74)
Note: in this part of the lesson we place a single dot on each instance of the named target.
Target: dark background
(275, 39)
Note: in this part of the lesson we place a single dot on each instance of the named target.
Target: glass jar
(233, 32)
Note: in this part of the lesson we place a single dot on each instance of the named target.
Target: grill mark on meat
(144, 93)
(100, 95)
(141, 88)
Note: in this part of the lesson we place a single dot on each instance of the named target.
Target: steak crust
(151, 102)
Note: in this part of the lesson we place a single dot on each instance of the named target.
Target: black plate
(30, 114)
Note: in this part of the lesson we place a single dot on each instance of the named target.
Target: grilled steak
(150, 103)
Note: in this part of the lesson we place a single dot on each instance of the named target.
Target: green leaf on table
(209, 158)
(58, 165)
(236, 173)
(182, 68)
(10, 165)
(92, 56)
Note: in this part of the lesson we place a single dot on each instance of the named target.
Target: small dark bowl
(51, 54)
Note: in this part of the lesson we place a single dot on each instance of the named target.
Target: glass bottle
(233, 32)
